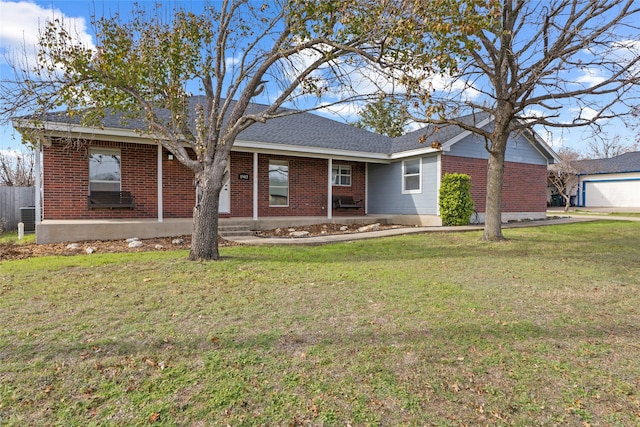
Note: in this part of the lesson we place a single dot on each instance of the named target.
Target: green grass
(12, 237)
(434, 329)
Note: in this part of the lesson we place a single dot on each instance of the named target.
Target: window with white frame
(341, 175)
(412, 176)
(104, 169)
(278, 183)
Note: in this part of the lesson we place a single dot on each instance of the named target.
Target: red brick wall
(308, 193)
(178, 191)
(357, 189)
(66, 184)
(241, 189)
(524, 188)
(66, 181)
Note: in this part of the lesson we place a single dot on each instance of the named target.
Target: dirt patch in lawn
(11, 251)
(323, 230)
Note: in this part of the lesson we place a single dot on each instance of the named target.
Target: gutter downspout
(438, 181)
(255, 186)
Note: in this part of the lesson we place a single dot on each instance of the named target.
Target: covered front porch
(58, 231)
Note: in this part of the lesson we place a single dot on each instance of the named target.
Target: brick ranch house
(288, 171)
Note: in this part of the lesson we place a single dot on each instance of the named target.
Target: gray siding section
(519, 150)
(385, 189)
(11, 200)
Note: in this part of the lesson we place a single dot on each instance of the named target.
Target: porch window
(104, 169)
(278, 183)
(341, 175)
(412, 176)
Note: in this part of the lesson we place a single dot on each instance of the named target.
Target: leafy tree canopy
(384, 116)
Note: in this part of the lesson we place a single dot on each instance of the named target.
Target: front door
(225, 198)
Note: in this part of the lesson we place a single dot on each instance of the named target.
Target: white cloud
(554, 140)
(584, 114)
(13, 155)
(590, 77)
(363, 78)
(20, 24)
(347, 111)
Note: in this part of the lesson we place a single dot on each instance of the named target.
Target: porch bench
(346, 202)
(110, 200)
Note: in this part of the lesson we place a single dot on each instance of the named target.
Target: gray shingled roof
(312, 130)
(411, 140)
(305, 130)
(627, 162)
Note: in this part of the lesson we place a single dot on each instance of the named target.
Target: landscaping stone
(299, 233)
(370, 227)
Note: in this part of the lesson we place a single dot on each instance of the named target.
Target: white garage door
(616, 194)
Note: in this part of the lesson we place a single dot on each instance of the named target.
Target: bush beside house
(456, 204)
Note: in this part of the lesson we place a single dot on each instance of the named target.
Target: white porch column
(255, 186)
(160, 204)
(38, 172)
(329, 191)
(438, 181)
(366, 188)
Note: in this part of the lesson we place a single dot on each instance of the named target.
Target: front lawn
(434, 329)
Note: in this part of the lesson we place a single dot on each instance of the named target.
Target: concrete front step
(234, 231)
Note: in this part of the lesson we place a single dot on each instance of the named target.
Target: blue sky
(20, 20)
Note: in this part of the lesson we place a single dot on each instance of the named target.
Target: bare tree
(232, 52)
(563, 175)
(605, 148)
(535, 62)
(17, 169)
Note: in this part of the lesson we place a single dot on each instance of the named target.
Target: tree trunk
(204, 241)
(495, 175)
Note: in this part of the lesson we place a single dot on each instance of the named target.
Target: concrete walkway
(564, 218)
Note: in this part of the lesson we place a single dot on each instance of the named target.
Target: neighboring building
(294, 166)
(611, 183)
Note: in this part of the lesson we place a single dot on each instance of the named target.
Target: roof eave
(57, 129)
(446, 146)
(415, 152)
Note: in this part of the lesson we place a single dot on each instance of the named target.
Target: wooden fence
(11, 200)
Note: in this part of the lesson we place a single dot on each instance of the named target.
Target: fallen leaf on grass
(154, 417)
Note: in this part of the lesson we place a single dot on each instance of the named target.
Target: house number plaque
(243, 176)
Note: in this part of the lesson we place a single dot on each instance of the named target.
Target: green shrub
(456, 204)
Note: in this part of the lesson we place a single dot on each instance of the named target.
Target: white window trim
(419, 175)
(280, 163)
(340, 173)
(106, 151)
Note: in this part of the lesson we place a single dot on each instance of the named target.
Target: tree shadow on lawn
(548, 245)
(373, 333)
